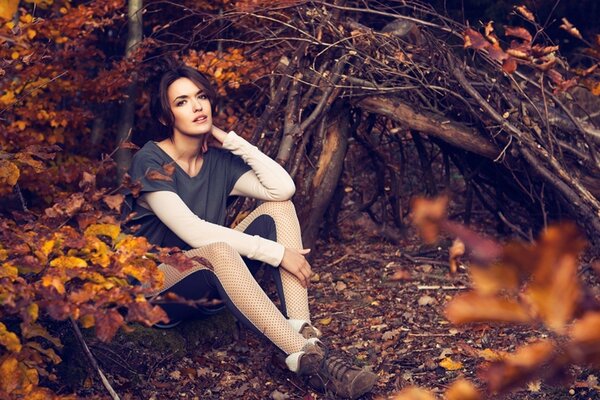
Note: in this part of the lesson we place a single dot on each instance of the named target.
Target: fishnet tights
(288, 234)
(243, 290)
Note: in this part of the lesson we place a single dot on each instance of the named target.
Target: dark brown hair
(160, 107)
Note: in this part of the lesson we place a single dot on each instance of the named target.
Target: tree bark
(326, 176)
(126, 120)
(451, 132)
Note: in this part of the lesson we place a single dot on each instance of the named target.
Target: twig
(92, 360)
(437, 287)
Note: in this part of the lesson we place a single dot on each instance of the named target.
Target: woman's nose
(197, 105)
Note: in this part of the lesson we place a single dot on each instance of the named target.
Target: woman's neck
(184, 148)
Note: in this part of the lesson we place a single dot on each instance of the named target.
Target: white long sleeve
(176, 215)
(267, 180)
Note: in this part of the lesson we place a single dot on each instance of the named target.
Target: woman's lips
(200, 120)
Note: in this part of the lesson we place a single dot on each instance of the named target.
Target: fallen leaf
(450, 365)
(535, 386)
(426, 300)
(462, 389)
(340, 286)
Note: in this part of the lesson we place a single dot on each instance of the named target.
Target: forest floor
(377, 303)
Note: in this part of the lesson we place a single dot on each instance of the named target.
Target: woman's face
(190, 107)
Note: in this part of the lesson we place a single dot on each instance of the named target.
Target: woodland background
(488, 108)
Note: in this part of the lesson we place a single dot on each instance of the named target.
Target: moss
(167, 341)
(215, 330)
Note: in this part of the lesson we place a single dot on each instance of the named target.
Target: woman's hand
(218, 133)
(295, 263)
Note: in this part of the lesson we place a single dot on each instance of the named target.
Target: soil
(378, 304)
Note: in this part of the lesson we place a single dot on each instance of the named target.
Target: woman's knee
(215, 253)
(278, 209)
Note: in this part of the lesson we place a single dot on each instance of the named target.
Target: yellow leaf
(110, 230)
(9, 174)
(8, 9)
(27, 18)
(9, 339)
(450, 365)
(14, 55)
(68, 262)
(21, 125)
(8, 270)
(3, 253)
(33, 311)
(325, 321)
(87, 321)
(8, 98)
(47, 247)
(31, 33)
(55, 282)
(490, 355)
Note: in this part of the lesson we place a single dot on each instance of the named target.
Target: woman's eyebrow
(185, 96)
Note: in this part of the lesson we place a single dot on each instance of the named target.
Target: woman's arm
(176, 215)
(267, 180)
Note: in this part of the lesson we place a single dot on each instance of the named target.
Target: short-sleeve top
(205, 194)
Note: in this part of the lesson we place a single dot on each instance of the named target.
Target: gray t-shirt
(205, 194)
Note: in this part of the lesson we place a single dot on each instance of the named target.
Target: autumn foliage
(63, 254)
(535, 284)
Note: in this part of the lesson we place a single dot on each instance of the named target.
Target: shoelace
(337, 368)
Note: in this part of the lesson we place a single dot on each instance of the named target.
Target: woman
(185, 188)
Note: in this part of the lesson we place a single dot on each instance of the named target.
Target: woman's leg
(240, 291)
(293, 296)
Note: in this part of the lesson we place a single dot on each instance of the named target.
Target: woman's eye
(180, 103)
(202, 96)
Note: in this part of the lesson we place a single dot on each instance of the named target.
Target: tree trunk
(126, 120)
(324, 180)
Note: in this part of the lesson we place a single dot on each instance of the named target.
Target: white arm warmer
(176, 215)
(267, 180)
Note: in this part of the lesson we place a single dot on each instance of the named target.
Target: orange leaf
(414, 393)
(518, 32)
(494, 278)
(509, 65)
(472, 307)
(450, 365)
(520, 367)
(567, 26)
(524, 11)
(456, 251)
(475, 40)
(9, 175)
(428, 214)
(462, 389)
(157, 176)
